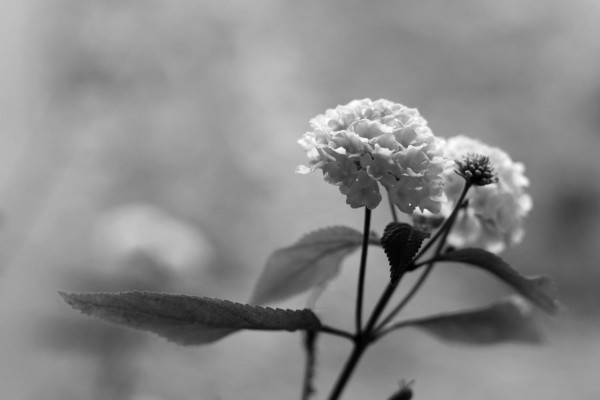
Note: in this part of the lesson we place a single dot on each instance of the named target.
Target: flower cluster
(366, 143)
(495, 212)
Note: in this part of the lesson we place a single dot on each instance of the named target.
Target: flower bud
(494, 216)
(476, 169)
(405, 392)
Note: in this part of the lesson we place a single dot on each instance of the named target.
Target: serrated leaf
(510, 320)
(187, 320)
(538, 289)
(401, 242)
(312, 261)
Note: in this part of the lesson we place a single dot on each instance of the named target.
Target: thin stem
(445, 228)
(363, 338)
(383, 300)
(310, 341)
(336, 332)
(393, 327)
(363, 267)
(443, 232)
(344, 377)
(407, 298)
(393, 209)
(361, 342)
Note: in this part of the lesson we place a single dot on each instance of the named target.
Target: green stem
(362, 270)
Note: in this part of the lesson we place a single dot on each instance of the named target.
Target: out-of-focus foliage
(194, 108)
(509, 320)
(539, 289)
(309, 263)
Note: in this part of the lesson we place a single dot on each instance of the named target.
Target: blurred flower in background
(495, 216)
(146, 230)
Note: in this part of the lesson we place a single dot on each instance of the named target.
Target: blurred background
(152, 145)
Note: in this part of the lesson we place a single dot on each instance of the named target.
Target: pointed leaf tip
(539, 290)
(401, 242)
(311, 262)
(187, 320)
(510, 320)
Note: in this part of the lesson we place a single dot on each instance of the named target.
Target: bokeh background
(151, 145)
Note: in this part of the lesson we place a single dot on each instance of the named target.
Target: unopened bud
(476, 169)
(405, 392)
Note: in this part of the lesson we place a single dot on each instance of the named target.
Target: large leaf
(401, 242)
(539, 289)
(312, 261)
(510, 320)
(187, 320)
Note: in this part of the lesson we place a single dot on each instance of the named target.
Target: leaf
(187, 320)
(401, 242)
(538, 289)
(312, 261)
(510, 320)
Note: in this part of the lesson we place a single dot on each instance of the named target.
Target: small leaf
(312, 261)
(187, 320)
(539, 289)
(510, 320)
(401, 242)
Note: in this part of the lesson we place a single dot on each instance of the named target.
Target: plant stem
(361, 342)
(443, 232)
(336, 332)
(393, 209)
(310, 339)
(393, 327)
(407, 298)
(361, 273)
(359, 348)
(445, 228)
(364, 338)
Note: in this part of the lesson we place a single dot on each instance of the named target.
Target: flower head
(476, 169)
(366, 143)
(495, 212)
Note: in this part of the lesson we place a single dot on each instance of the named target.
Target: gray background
(194, 109)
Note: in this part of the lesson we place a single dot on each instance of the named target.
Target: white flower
(495, 212)
(366, 143)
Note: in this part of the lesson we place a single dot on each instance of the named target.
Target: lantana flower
(366, 143)
(494, 216)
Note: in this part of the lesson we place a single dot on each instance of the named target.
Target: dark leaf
(510, 320)
(187, 320)
(312, 261)
(539, 289)
(401, 242)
